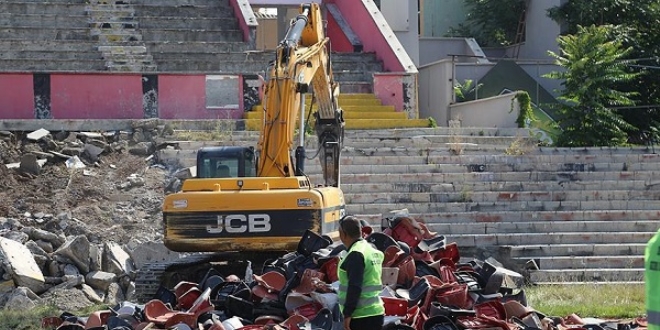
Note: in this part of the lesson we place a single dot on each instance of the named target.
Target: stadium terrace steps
(580, 214)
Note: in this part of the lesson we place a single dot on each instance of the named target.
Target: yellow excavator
(256, 204)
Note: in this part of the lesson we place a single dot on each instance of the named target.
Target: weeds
(588, 300)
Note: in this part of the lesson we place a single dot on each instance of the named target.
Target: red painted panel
(182, 96)
(338, 40)
(92, 96)
(16, 96)
(388, 88)
(362, 23)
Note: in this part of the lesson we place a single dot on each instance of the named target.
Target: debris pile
(426, 286)
(76, 206)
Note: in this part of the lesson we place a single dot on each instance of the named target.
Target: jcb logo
(240, 223)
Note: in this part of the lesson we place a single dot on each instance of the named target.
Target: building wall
(17, 96)
(541, 32)
(267, 38)
(403, 19)
(438, 16)
(499, 111)
(91, 96)
(125, 96)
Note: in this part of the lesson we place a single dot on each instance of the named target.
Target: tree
(490, 22)
(593, 65)
(639, 20)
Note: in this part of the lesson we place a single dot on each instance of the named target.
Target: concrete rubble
(76, 202)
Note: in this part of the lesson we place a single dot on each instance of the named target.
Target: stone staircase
(190, 36)
(47, 36)
(114, 25)
(361, 111)
(581, 215)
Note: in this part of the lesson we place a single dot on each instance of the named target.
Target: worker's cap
(268, 319)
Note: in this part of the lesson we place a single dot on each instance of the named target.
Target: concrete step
(52, 65)
(484, 240)
(174, 35)
(36, 33)
(49, 55)
(384, 196)
(181, 47)
(42, 8)
(381, 112)
(570, 250)
(189, 11)
(356, 87)
(48, 45)
(588, 275)
(223, 3)
(502, 187)
(590, 262)
(124, 50)
(466, 228)
(51, 1)
(486, 207)
(131, 67)
(340, 66)
(520, 216)
(255, 124)
(48, 21)
(176, 22)
(116, 59)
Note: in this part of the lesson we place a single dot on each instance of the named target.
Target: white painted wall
(498, 111)
(401, 15)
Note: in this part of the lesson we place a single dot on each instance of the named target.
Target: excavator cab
(226, 162)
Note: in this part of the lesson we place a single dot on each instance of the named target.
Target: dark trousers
(368, 323)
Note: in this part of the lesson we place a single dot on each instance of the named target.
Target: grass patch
(588, 300)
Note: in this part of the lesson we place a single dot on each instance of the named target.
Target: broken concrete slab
(116, 260)
(38, 134)
(93, 152)
(19, 262)
(77, 250)
(37, 235)
(21, 298)
(91, 294)
(151, 252)
(100, 280)
(142, 149)
(114, 295)
(30, 164)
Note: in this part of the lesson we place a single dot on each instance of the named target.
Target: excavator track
(150, 277)
(193, 267)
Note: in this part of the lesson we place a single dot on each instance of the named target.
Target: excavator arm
(302, 65)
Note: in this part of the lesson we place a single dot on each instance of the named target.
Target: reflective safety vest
(369, 303)
(652, 281)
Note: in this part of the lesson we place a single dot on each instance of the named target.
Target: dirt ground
(100, 201)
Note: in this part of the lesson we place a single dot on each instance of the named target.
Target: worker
(359, 272)
(652, 281)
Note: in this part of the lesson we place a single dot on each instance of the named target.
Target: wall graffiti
(41, 86)
(252, 85)
(150, 95)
